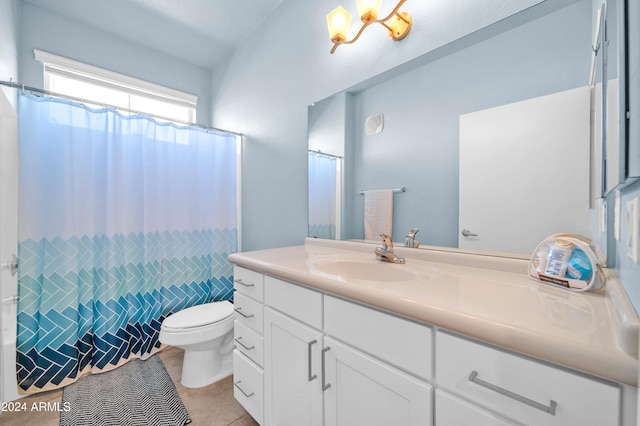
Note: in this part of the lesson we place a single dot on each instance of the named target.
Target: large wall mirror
(434, 129)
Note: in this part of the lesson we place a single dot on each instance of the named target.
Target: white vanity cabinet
(293, 343)
(248, 374)
(312, 378)
(519, 388)
(293, 395)
(310, 358)
(371, 362)
(362, 390)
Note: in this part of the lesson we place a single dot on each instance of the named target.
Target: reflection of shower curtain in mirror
(322, 195)
(123, 220)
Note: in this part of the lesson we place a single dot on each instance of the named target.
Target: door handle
(467, 233)
(239, 281)
(11, 265)
(310, 375)
(243, 345)
(239, 310)
(325, 385)
(551, 408)
(247, 395)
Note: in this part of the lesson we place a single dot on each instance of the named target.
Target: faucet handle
(410, 240)
(387, 244)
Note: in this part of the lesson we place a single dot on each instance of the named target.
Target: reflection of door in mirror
(324, 195)
(611, 116)
(605, 99)
(536, 169)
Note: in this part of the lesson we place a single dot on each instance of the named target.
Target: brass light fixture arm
(373, 21)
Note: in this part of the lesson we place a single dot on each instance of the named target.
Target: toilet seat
(198, 316)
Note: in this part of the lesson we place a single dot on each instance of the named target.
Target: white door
(365, 391)
(8, 246)
(292, 375)
(524, 172)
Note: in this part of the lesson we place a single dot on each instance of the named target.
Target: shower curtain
(122, 221)
(322, 195)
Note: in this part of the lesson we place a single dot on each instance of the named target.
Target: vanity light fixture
(398, 23)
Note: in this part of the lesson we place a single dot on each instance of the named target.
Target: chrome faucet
(386, 252)
(410, 240)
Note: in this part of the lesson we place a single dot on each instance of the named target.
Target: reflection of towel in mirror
(378, 213)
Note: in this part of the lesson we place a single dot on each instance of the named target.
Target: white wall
(9, 45)
(8, 193)
(285, 65)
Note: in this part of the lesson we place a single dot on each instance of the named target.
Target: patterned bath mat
(138, 393)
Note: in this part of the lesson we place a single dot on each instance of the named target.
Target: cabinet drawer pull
(237, 384)
(239, 310)
(325, 385)
(551, 408)
(239, 281)
(243, 345)
(310, 376)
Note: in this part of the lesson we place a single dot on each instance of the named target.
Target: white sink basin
(365, 270)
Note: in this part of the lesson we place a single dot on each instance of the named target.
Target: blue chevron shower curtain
(122, 220)
(322, 195)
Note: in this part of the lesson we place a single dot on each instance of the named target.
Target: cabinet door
(293, 394)
(365, 391)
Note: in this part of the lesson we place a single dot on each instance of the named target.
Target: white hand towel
(378, 213)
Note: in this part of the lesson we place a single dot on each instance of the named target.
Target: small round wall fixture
(374, 124)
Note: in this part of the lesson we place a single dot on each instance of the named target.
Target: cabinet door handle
(243, 345)
(237, 384)
(239, 310)
(551, 408)
(309, 374)
(325, 385)
(239, 281)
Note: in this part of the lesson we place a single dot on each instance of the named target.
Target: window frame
(55, 65)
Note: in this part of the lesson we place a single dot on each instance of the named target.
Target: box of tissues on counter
(568, 261)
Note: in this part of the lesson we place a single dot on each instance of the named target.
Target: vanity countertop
(489, 298)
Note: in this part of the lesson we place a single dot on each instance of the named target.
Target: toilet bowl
(205, 332)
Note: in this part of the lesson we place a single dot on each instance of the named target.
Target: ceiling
(200, 32)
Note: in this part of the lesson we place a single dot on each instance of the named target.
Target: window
(99, 87)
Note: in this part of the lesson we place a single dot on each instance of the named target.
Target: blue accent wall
(419, 147)
(43, 30)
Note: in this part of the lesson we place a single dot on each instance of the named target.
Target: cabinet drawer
(296, 301)
(248, 282)
(403, 343)
(522, 389)
(248, 311)
(248, 386)
(248, 342)
(453, 411)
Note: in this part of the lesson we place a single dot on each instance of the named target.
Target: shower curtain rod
(37, 91)
(325, 154)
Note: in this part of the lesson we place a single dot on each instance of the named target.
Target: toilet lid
(199, 315)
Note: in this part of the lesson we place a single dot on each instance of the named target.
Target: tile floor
(211, 405)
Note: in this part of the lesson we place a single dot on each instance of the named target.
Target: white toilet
(205, 332)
